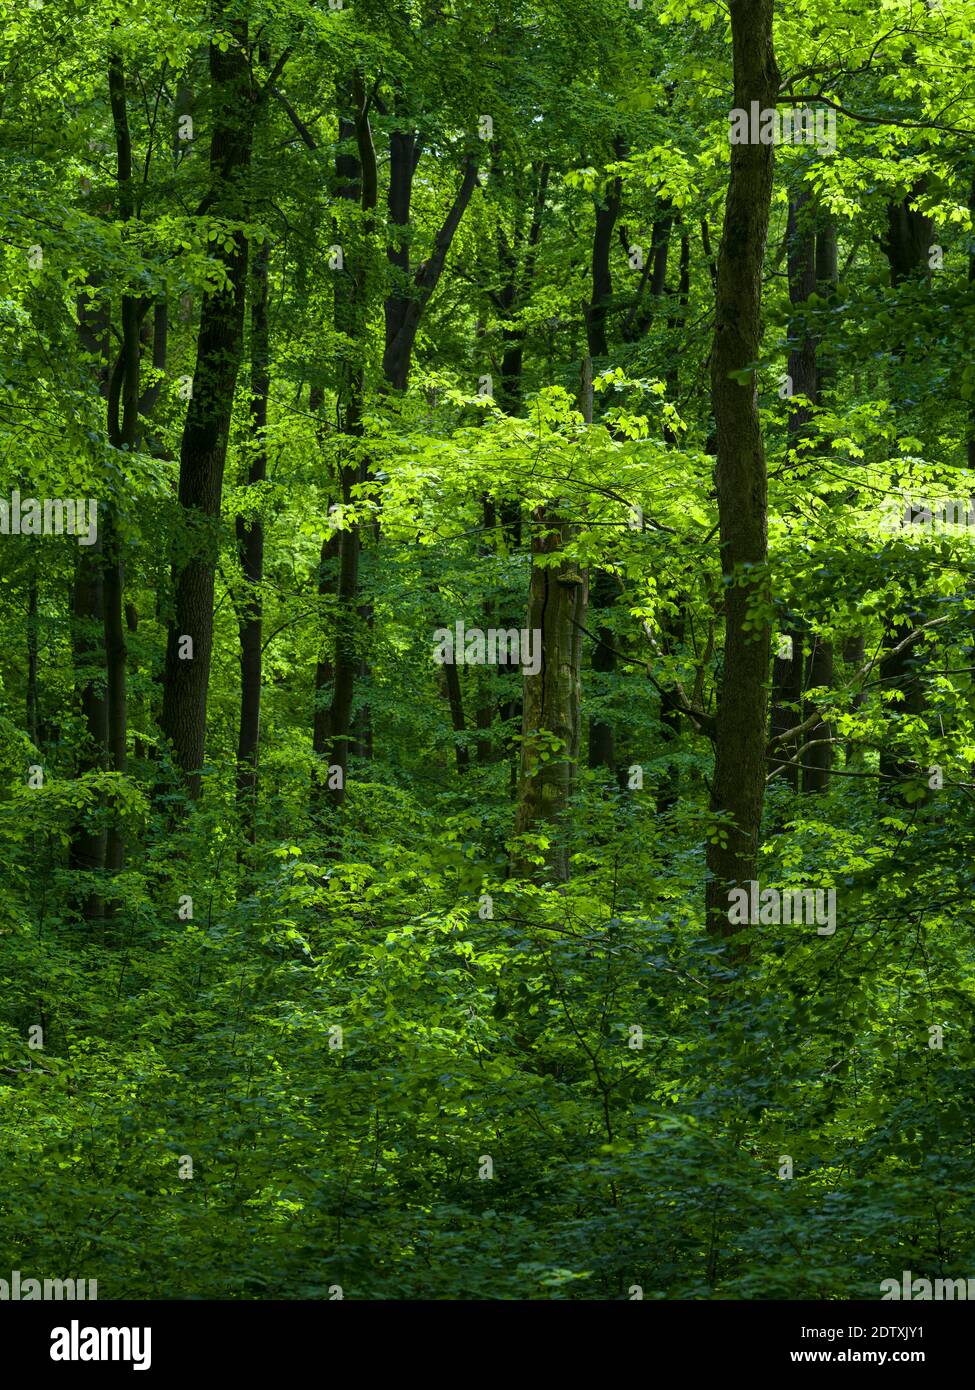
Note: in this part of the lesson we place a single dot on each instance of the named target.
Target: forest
(487, 635)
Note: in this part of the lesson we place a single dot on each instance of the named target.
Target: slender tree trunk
(787, 701)
(909, 235)
(787, 672)
(88, 838)
(356, 181)
(602, 742)
(250, 539)
(738, 787)
(32, 622)
(817, 760)
(123, 434)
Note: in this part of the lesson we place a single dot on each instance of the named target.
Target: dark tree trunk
(32, 621)
(602, 743)
(404, 315)
(909, 235)
(802, 284)
(123, 434)
(89, 839)
(456, 703)
(207, 426)
(787, 704)
(356, 181)
(607, 212)
(740, 733)
(908, 239)
(250, 539)
(971, 281)
(818, 759)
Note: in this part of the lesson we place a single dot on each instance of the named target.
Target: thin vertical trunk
(516, 261)
(971, 281)
(356, 181)
(32, 620)
(909, 235)
(738, 787)
(250, 539)
(88, 843)
(787, 700)
(123, 434)
(602, 741)
(787, 670)
(456, 702)
(817, 759)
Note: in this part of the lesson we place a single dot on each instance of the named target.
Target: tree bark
(909, 235)
(123, 434)
(740, 732)
(403, 317)
(552, 698)
(607, 212)
(356, 181)
(250, 539)
(207, 426)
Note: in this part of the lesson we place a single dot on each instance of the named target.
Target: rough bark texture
(207, 426)
(740, 733)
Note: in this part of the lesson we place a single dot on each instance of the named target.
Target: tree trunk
(787, 702)
(740, 734)
(356, 181)
(602, 279)
(88, 843)
(817, 760)
(602, 743)
(552, 698)
(250, 539)
(909, 235)
(403, 321)
(207, 426)
(122, 435)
